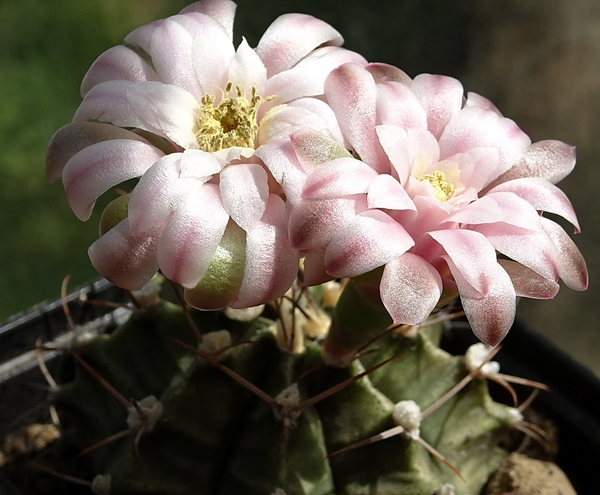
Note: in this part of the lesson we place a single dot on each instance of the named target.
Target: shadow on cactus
(353, 201)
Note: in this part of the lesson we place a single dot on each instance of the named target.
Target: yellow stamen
(443, 190)
(232, 123)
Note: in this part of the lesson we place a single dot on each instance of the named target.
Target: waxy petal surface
(410, 289)
(97, 168)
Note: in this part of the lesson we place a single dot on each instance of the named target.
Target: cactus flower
(184, 111)
(443, 184)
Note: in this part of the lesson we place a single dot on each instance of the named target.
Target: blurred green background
(538, 61)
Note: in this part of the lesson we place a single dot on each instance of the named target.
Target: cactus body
(217, 437)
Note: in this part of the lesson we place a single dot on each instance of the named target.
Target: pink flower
(442, 186)
(186, 111)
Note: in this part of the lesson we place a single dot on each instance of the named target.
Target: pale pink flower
(186, 111)
(442, 186)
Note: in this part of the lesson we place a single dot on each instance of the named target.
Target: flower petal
(475, 127)
(307, 78)
(385, 72)
(528, 283)
(271, 266)
(156, 195)
(410, 289)
(471, 254)
(192, 235)
(532, 249)
(171, 51)
(441, 97)
(338, 178)
(117, 63)
(398, 105)
(490, 315)
(245, 190)
(542, 195)
(571, 268)
(247, 70)
(386, 192)
(72, 138)
(290, 38)
(371, 240)
(352, 94)
(223, 11)
(97, 168)
(551, 160)
(314, 222)
(127, 260)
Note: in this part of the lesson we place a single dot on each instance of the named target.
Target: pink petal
(385, 72)
(475, 127)
(171, 51)
(245, 190)
(314, 148)
(394, 141)
(247, 70)
(471, 254)
(352, 94)
(474, 99)
(314, 222)
(386, 192)
(531, 249)
(329, 127)
(283, 120)
(290, 38)
(282, 162)
(72, 138)
(410, 289)
(141, 36)
(542, 195)
(97, 168)
(223, 11)
(478, 166)
(156, 195)
(127, 260)
(117, 63)
(490, 315)
(192, 235)
(371, 240)
(168, 111)
(528, 283)
(314, 268)
(307, 78)
(398, 105)
(551, 160)
(271, 266)
(441, 97)
(572, 268)
(338, 178)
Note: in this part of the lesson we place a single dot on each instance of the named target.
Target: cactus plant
(354, 202)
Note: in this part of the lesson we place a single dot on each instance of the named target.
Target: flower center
(443, 189)
(232, 123)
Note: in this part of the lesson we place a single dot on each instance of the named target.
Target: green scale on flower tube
(232, 123)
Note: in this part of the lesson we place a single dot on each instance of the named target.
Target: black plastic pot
(572, 404)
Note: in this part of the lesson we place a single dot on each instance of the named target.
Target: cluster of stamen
(232, 123)
(443, 189)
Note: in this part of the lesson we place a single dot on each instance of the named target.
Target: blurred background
(539, 62)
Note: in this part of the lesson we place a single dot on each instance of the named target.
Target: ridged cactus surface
(215, 436)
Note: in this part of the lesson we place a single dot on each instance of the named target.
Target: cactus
(215, 436)
(269, 176)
